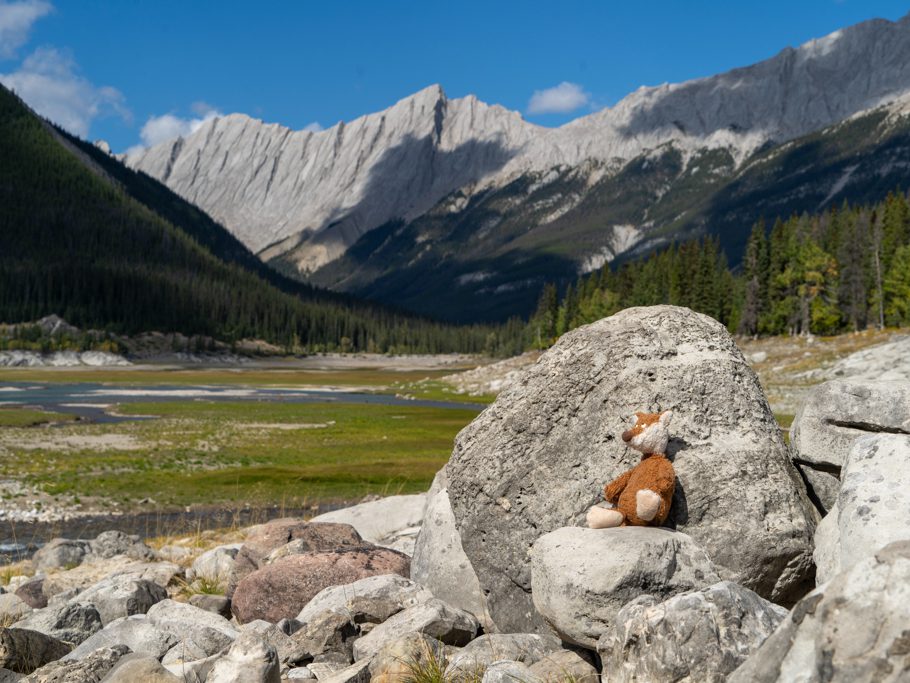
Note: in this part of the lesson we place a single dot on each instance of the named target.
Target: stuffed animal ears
(665, 417)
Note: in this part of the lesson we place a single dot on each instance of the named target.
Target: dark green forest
(842, 270)
(83, 237)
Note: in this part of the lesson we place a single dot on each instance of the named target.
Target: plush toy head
(649, 433)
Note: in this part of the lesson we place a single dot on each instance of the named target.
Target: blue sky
(131, 70)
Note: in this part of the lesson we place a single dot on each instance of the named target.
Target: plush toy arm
(613, 490)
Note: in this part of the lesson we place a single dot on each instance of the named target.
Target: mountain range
(463, 210)
(84, 237)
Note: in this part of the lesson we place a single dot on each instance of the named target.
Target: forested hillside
(85, 238)
(839, 271)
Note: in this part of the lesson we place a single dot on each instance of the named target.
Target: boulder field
(503, 582)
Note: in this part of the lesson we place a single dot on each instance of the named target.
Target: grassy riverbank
(234, 454)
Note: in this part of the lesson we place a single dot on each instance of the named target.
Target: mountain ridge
(302, 200)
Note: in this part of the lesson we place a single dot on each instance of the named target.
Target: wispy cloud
(560, 99)
(16, 19)
(167, 127)
(314, 127)
(48, 80)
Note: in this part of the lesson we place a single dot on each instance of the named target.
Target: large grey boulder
(873, 505)
(836, 413)
(439, 561)
(136, 632)
(538, 458)
(433, 618)
(853, 629)
(388, 522)
(250, 660)
(581, 578)
(395, 591)
(71, 623)
(208, 632)
(122, 596)
(695, 636)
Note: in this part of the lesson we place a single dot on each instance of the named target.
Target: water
(90, 401)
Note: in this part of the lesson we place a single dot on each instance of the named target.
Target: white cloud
(16, 19)
(561, 99)
(48, 81)
(314, 127)
(168, 127)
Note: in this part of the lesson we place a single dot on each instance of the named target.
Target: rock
(250, 660)
(481, 653)
(433, 618)
(192, 671)
(111, 543)
(90, 669)
(215, 565)
(217, 604)
(300, 673)
(60, 553)
(281, 590)
(73, 623)
(90, 573)
(509, 672)
(137, 633)
(32, 593)
(261, 540)
(565, 665)
(326, 632)
(161, 573)
(7, 676)
(174, 553)
(12, 608)
(439, 562)
(23, 650)
(538, 457)
(821, 486)
(695, 636)
(210, 632)
(328, 666)
(277, 637)
(873, 505)
(395, 591)
(122, 596)
(81, 577)
(381, 521)
(356, 673)
(133, 668)
(184, 652)
(581, 578)
(836, 413)
(399, 659)
(853, 628)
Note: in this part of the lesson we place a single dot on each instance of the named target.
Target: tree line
(841, 270)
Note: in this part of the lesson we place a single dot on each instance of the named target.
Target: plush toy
(641, 496)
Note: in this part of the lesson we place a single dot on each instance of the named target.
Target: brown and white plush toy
(641, 496)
